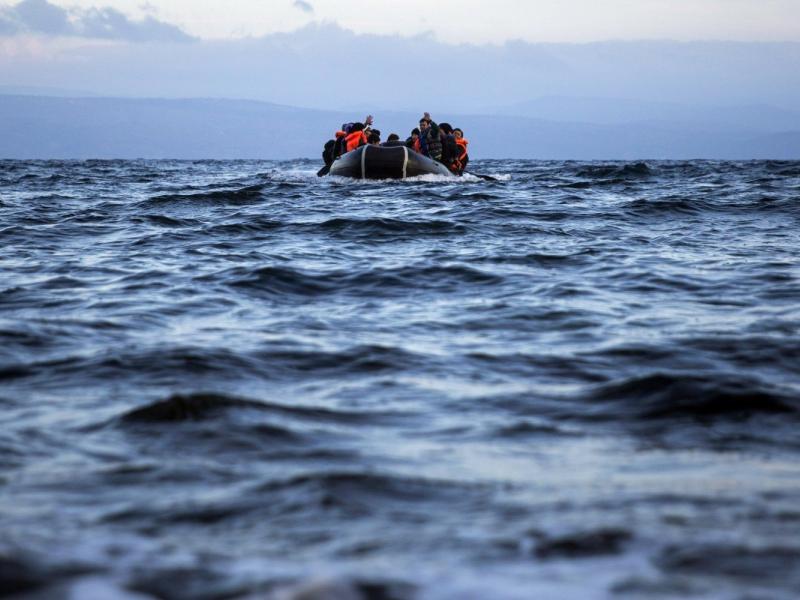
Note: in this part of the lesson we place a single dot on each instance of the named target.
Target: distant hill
(615, 111)
(62, 127)
(33, 90)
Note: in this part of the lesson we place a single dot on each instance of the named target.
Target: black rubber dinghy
(385, 162)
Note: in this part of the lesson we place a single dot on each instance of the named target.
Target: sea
(237, 380)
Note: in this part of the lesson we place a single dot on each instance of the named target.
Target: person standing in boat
(429, 142)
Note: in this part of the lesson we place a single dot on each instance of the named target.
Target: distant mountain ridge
(43, 127)
(614, 111)
(35, 90)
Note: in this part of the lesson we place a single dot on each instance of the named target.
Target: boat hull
(386, 162)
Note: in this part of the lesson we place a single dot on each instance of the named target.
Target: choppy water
(235, 380)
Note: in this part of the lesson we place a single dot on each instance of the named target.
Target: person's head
(374, 138)
(446, 127)
(458, 133)
(357, 127)
(393, 137)
(423, 125)
(415, 133)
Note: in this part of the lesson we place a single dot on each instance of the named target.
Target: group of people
(440, 142)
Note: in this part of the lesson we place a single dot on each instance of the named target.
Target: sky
(473, 56)
(596, 62)
(450, 21)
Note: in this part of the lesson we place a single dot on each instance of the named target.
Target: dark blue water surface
(236, 380)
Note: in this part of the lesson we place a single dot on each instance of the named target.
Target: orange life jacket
(462, 143)
(458, 162)
(356, 139)
(417, 147)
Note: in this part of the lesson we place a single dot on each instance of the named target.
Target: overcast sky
(454, 21)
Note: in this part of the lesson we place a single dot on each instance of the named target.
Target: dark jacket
(430, 142)
(449, 150)
(327, 152)
(334, 148)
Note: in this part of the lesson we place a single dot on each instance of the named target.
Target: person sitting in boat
(449, 146)
(374, 138)
(411, 141)
(393, 140)
(462, 158)
(335, 148)
(429, 142)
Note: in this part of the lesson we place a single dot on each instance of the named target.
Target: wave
(347, 487)
(389, 227)
(350, 588)
(668, 396)
(747, 351)
(159, 364)
(789, 205)
(20, 576)
(543, 259)
(783, 168)
(283, 281)
(256, 224)
(360, 359)
(577, 185)
(343, 493)
(221, 425)
(529, 429)
(596, 542)
(165, 221)
(642, 207)
(773, 565)
(481, 196)
(166, 365)
(252, 193)
(183, 408)
(201, 406)
(615, 171)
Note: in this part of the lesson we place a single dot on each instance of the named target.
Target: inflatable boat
(386, 162)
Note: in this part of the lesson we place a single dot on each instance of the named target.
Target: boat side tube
(385, 162)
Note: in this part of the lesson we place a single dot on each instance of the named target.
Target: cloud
(7, 26)
(304, 6)
(41, 17)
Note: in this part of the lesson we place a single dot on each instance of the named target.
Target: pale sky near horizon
(478, 21)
